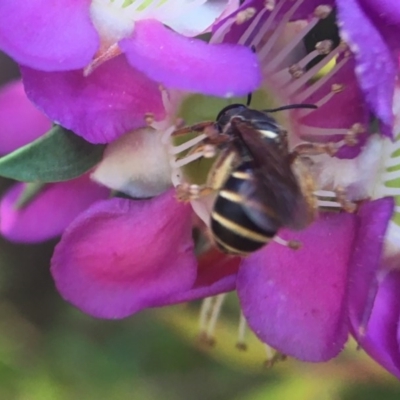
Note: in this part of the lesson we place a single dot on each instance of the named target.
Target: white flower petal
(197, 20)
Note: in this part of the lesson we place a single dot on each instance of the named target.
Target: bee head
(225, 115)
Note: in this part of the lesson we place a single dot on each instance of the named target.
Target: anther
(245, 15)
(273, 357)
(205, 313)
(149, 119)
(322, 11)
(347, 205)
(324, 47)
(103, 56)
(337, 88)
(296, 71)
(209, 151)
(351, 136)
(270, 4)
(211, 312)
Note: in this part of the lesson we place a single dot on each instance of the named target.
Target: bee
(261, 186)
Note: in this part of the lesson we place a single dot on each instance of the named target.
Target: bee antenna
(291, 106)
(249, 97)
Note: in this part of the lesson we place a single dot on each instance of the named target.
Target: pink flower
(296, 301)
(121, 256)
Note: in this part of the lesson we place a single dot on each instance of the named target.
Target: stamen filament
(215, 312)
(187, 160)
(280, 57)
(392, 162)
(328, 204)
(205, 311)
(305, 130)
(303, 95)
(298, 83)
(187, 145)
(241, 340)
(277, 31)
(325, 193)
(243, 39)
(391, 175)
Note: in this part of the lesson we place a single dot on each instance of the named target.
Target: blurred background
(50, 351)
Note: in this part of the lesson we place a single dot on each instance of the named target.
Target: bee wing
(273, 197)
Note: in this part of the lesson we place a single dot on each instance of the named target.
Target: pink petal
(382, 340)
(121, 256)
(373, 306)
(373, 222)
(101, 107)
(191, 64)
(377, 79)
(48, 35)
(47, 215)
(295, 300)
(21, 122)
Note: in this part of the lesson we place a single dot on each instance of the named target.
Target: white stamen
(219, 35)
(269, 351)
(243, 39)
(329, 204)
(392, 162)
(280, 57)
(266, 25)
(205, 311)
(324, 193)
(285, 75)
(305, 130)
(391, 175)
(304, 94)
(392, 191)
(215, 312)
(187, 145)
(241, 340)
(298, 83)
(277, 31)
(187, 160)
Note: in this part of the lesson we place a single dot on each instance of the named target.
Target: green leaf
(59, 155)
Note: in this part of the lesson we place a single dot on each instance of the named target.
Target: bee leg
(186, 192)
(199, 128)
(313, 149)
(346, 204)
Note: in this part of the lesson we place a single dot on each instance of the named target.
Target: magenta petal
(377, 79)
(382, 340)
(295, 300)
(50, 212)
(366, 259)
(101, 107)
(191, 64)
(20, 121)
(121, 256)
(48, 35)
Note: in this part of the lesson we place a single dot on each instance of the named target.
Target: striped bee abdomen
(233, 231)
